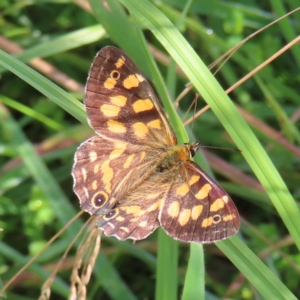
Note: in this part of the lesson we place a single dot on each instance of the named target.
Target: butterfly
(133, 175)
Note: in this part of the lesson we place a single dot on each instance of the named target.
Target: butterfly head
(192, 148)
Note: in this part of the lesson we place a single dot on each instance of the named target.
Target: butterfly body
(133, 175)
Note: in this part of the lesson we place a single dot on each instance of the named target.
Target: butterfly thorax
(175, 157)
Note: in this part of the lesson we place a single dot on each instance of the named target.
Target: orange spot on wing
(93, 156)
(110, 110)
(196, 212)
(227, 218)
(139, 77)
(128, 161)
(133, 220)
(217, 205)
(84, 174)
(125, 229)
(152, 196)
(225, 198)
(143, 156)
(96, 168)
(140, 129)
(120, 63)
(203, 193)
(116, 127)
(107, 172)
(116, 153)
(120, 145)
(118, 100)
(184, 216)
(130, 82)
(135, 210)
(139, 213)
(110, 83)
(154, 124)
(207, 222)
(173, 209)
(154, 206)
(143, 224)
(108, 187)
(95, 184)
(142, 105)
(194, 179)
(182, 190)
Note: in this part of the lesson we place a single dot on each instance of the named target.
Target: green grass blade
(263, 279)
(58, 285)
(166, 270)
(60, 204)
(45, 86)
(31, 113)
(224, 109)
(284, 121)
(286, 28)
(62, 43)
(194, 288)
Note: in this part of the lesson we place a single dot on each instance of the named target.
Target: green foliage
(39, 133)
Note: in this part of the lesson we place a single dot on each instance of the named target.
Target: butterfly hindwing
(197, 209)
(134, 220)
(103, 172)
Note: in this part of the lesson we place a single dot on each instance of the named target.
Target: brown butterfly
(133, 174)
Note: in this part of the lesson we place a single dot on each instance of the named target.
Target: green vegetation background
(40, 131)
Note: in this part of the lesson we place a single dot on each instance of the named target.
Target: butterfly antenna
(220, 148)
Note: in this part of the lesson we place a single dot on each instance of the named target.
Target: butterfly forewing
(121, 104)
(133, 175)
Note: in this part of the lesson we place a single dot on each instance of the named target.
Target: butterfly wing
(190, 207)
(136, 214)
(105, 170)
(197, 209)
(134, 220)
(121, 105)
(132, 131)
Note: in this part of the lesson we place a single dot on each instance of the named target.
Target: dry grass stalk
(46, 288)
(85, 259)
